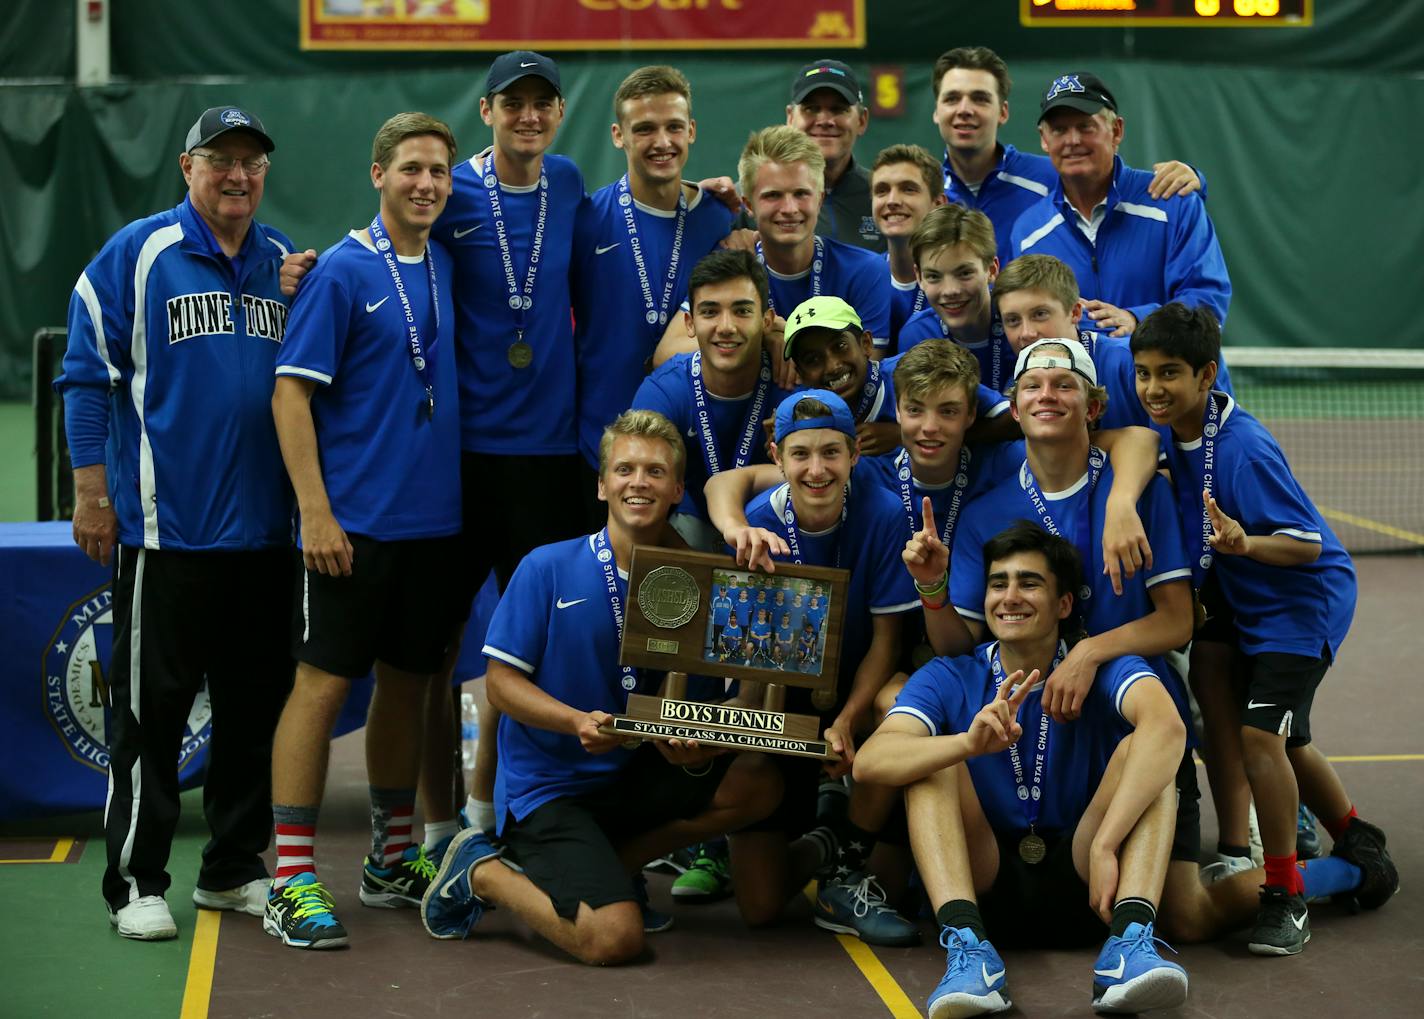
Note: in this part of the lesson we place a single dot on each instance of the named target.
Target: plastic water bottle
(469, 730)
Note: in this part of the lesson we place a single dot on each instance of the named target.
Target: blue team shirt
(906, 300)
(504, 409)
(855, 275)
(612, 338)
(1074, 511)
(761, 634)
(1303, 610)
(743, 610)
(995, 356)
(721, 610)
(1020, 180)
(732, 635)
(390, 473)
(668, 390)
(947, 693)
(569, 652)
(1148, 251)
(868, 544)
(989, 464)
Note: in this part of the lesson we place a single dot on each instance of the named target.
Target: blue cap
(840, 417)
(510, 67)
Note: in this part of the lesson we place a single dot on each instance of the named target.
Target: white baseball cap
(1077, 359)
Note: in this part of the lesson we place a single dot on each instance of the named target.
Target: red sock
(294, 851)
(1337, 828)
(1281, 872)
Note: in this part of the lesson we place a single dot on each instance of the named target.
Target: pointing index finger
(927, 508)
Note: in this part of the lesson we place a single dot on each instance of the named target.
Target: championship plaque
(690, 612)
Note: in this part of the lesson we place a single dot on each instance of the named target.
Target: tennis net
(1351, 423)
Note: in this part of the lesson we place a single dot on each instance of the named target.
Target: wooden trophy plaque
(695, 613)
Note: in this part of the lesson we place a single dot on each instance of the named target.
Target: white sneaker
(145, 919)
(250, 898)
(1224, 867)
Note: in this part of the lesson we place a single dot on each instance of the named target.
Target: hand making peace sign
(996, 725)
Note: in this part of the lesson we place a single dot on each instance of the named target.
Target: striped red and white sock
(392, 811)
(295, 852)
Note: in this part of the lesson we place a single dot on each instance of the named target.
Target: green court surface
(17, 461)
(60, 955)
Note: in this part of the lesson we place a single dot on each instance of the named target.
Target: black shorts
(399, 606)
(512, 505)
(1220, 623)
(568, 846)
(1186, 840)
(1039, 905)
(1280, 689)
(796, 813)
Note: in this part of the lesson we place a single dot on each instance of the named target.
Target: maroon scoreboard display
(1166, 13)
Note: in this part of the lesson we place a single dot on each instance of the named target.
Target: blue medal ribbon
(655, 315)
(750, 427)
(904, 477)
(1082, 534)
(1030, 793)
(818, 263)
(604, 553)
(520, 300)
(789, 518)
(868, 391)
(1209, 431)
(386, 250)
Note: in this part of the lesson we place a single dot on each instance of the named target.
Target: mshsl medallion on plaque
(668, 597)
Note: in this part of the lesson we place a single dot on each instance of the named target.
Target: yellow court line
(1372, 758)
(201, 961)
(874, 971)
(1373, 525)
(60, 853)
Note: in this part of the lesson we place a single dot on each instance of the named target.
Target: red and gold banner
(581, 24)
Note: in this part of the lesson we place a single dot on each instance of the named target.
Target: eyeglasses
(223, 164)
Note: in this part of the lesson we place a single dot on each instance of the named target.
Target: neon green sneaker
(709, 878)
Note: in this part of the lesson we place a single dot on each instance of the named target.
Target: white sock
(480, 813)
(437, 831)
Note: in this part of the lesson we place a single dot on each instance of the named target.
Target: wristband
(932, 589)
(934, 606)
(698, 774)
(103, 502)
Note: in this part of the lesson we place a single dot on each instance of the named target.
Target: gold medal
(520, 354)
(1032, 849)
(824, 698)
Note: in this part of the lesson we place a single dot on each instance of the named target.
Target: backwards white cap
(1077, 359)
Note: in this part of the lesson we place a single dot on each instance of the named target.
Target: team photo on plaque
(767, 621)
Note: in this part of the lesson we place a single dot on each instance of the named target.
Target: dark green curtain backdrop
(1308, 137)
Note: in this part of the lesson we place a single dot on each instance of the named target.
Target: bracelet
(938, 587)
(103, 502)
(934, 606)
(698, 774)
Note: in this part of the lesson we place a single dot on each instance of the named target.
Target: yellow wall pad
(59, 854)
(874, 971)
(199, 987)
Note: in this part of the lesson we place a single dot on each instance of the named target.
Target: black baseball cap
(222, 119)
(1081, 90)
(510, 67)
(831, 74)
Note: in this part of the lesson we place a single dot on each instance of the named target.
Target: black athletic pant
(181, 618)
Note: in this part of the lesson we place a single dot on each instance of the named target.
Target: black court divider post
(54, 482)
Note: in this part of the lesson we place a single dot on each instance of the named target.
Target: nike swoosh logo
(372, 307)
(457, 234)
(534, 64)
(1113, 974)
(1253, 704)
(561, 604)
(1299, 921)
(608, 248)
(990, 978)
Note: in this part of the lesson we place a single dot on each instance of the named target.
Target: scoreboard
(1165, 13)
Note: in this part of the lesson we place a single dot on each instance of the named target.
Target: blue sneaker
(1307, 839)
(300, 913)
(450, 908)
(1130, 976)
(855, 905)
(655, 921)
(973, 982)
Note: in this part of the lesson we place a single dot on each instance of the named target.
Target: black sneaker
(1363, 845)
(403, 883)
(1282, 923)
